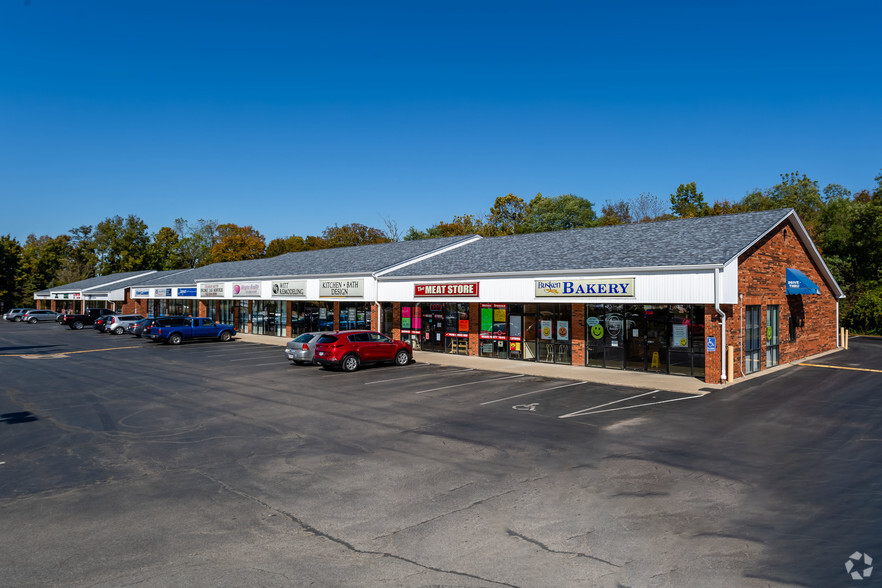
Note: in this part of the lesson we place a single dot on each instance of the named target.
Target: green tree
(351, 235)
(41, 259)
(615, 213)
(121, 245)
(195, 241)
(559, 213)
(507, 216)
(688, 202)
(10, 261)
(235, 243)
(164, 252)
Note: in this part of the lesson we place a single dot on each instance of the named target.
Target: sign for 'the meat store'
(457, 289)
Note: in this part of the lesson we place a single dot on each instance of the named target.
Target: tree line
(845, 226)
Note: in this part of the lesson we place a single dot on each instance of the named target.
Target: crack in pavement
(549, 550)
(342, 542)
(441, 516)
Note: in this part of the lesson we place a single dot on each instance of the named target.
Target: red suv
(350, 349)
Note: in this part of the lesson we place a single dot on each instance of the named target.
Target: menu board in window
(486, 320)
(405, 318)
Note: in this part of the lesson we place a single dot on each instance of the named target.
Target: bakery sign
(456, 289)
(600, 288)
(341, 288)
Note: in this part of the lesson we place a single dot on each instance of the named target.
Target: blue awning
(798, 283)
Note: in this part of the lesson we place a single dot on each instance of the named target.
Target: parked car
(137, 328)
(78, 321)
(15, 314)
(301, 349)
(350, 349)
(175, 330)
(118, 323)
(100, 323)
(35, 316)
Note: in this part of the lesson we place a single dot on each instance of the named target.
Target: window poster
(499, 315)
(323, 313)
(463, 325)
(405, 317)
(486, 319)
(681, 336)
(545, 329)
(563, 330)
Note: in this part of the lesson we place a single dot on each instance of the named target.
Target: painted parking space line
(585, 410)
(532, 392)
(586, 413)
(255, 357)
(416, 376)
(469, 383)
(840, 367)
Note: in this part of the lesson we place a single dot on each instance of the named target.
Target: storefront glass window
(456, 328)
(269, 317)
(493, 333)
(225, 312)
(309, 317)
(387, 319)
(355, 316)
(554, 333)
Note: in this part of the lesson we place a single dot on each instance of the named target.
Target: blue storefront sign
(186, 292)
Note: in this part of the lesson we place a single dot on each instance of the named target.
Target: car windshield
(328, 339)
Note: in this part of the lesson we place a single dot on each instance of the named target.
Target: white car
(117, 324)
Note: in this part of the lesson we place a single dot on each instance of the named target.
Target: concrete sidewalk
(683, 384)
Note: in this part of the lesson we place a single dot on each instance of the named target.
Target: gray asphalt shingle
(682, 242)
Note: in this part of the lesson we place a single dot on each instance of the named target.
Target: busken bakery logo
(289, 288)
(600, 288)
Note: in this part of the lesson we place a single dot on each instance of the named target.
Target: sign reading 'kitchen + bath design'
(341, 288)
(599, 288)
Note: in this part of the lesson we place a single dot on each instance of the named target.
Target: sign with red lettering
(458, 289)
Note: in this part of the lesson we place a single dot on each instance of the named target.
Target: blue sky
(293, 116)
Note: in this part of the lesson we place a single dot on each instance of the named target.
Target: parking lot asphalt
(205, 464)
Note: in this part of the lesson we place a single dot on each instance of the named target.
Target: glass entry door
(433, 331)
(752, 340)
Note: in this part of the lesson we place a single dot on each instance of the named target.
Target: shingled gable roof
(99, 281)
(704, 241)
(132, 281)
(360, 260)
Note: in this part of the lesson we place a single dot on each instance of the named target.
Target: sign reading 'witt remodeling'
(596, 287)
(458, 289)
(292, 288)
(341, 288)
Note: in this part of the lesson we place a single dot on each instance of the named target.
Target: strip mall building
(667, 297)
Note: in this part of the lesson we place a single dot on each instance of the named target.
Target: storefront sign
(186, 292)
(247, 289)
(289, 288)
(211, 290)
(598, 287)
(347, 288)
(141, 293)
(458, 289)
(162, 292)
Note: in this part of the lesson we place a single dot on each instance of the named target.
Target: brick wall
(577, 334)
(761, 281)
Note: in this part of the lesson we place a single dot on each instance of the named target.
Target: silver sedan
(301, 349)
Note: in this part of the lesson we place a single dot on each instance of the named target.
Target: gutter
(723, 352)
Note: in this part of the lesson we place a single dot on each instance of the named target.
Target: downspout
(836, 326)
(723, 352)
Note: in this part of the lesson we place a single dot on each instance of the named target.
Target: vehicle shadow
(23, 347)
(14, 418)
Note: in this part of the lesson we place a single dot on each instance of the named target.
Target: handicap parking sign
(711, 344)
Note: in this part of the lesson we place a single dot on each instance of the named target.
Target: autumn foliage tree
(235, 243)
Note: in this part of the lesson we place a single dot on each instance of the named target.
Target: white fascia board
(428, 255)
(118, 281)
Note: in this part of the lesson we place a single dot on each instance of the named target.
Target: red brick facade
(762, 282)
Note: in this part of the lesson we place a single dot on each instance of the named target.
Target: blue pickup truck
(175, 329)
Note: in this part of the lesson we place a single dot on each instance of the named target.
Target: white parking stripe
(470, 383)
(532, 392)
(584, 410)
(583, 413)
(417, 376)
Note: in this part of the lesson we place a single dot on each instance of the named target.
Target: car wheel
(119, 331)
(175, 339)
(77, 325)
(349, 363)
(225, 336)
(17, 319)
(33, 321)
(402, 358)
